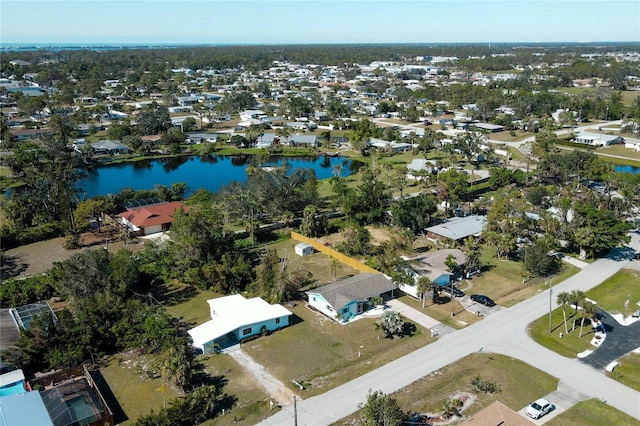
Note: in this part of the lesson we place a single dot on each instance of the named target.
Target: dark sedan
(449, 289)
(483, 300)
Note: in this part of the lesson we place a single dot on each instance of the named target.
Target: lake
(210, 172)
(627, 169)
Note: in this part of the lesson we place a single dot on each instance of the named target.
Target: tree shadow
(408, 329)
(621, 253)
(174, 296)
(12, 266)
(119, 416)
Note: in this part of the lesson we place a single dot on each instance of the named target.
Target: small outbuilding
(304, 249)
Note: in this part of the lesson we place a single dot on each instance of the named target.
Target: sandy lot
(39, 257)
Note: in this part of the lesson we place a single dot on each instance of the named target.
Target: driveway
(620, 340)
(563, 398)
(436, 327)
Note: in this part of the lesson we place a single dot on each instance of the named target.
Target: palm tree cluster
(579, 301)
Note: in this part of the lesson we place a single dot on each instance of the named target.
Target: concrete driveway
(563, 398)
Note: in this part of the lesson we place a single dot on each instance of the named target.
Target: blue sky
(327, 21)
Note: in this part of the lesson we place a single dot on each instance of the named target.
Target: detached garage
(304, 249)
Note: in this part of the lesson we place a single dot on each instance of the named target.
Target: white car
(539, 408)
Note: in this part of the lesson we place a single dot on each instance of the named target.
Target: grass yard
(187, 302)
(318, 264)
(501, 280)
(569, 344)
(322, 354)
(593, 412)
(621, 151)
(251, 401)
(612, 293)
(136, 393)
(628, 371)
(518, 384)
(506, 136)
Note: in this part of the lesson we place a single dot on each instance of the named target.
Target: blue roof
(23, 409)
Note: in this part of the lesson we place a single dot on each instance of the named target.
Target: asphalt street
(620, 340)
(504, 332)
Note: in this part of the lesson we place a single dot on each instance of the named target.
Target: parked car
(456, 292)
(483, 300)
(538, 408)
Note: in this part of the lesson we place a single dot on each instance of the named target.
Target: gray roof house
(350, 297)
(458, 228)
(303, 140)
(109, 147)
(598, 139)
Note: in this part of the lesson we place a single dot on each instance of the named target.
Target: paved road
(619, 341)
(504, 332)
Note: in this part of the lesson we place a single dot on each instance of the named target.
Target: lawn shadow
(174, 296)
(408, 329)
(295, 319)
(12, 266)
(119, 416)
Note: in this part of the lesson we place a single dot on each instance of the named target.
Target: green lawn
(518, 385)
(136, 393)
(593, 412)
(323, 354)
(188, 303)
(621, 151)
(612, 293)
(502, 279)
(569, 344)
(628, 371)
(506, 136)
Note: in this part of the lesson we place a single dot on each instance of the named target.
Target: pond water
(627, 169)
(210, 172)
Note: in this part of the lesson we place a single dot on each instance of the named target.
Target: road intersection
(504, 332)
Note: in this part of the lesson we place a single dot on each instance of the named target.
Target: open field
(628, 96)
(518, 384)
(322, 354)
(592, 412)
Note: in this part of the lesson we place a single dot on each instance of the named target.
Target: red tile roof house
(151, 219)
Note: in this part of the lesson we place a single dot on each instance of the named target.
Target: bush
(13, 237)
(485, 386)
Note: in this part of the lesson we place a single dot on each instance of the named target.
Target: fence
(333, 253)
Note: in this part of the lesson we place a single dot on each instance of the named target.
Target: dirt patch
(37, 258)
(378, 236)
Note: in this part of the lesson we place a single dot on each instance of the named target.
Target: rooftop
(359, 287)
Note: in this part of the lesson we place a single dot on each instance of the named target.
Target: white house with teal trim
(433, 266)
(234, 318)
(345, 299)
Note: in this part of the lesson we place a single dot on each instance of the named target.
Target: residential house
(457, 228)
(394, 147)
(343, 300)
(152, 218)
(493, 128)
(13, 383)
(24, 409)
(198, 138)
(496, 414)
(419, 165)
(303, 140)
(234, 318)
(109, 147)
(265, 140)
(27, 134)
(433, 265)
(153, 140)
(598, 139)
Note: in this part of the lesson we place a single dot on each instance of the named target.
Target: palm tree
(391, 323)
(424, 285)
(335, 264)
(576, 298)
(587, 313)
(563, 299)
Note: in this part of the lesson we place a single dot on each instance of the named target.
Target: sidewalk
(419, 318)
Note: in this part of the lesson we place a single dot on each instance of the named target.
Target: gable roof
(229, 313)
(360, 287)
(154, 214)
(433, 265)
(497, 414)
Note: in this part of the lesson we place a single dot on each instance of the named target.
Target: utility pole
(550, 293)
(295, 412)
